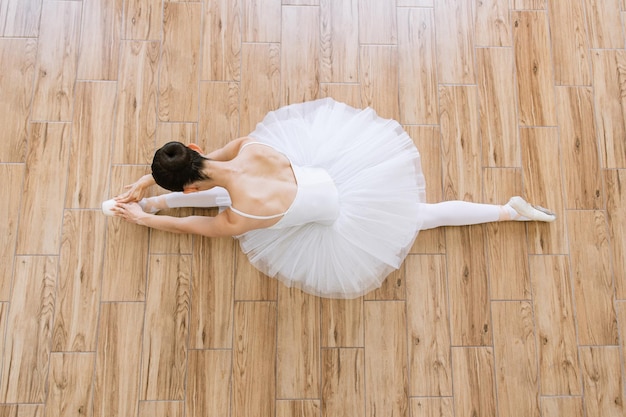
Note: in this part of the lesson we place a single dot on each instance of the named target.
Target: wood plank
(41, 209)
(100, 40)
(299, 58)
(342, 322)
(142, 19)
(528, 4)
(179, 72)
(492, 17)
(498, 112)
(254, 354)
(339, 41)
(507, 251)
(460, 143)
(182, 132)
(377, 22)
(516, 358)
(555, 325)
(604, 23)
(57, 54)
(345, 93)
(136, 103)
(126, 251)
(428, 324)
(20, 18)
(162, 242)
(118, 360)
(417, 66)
(428, 142)
(570, 45)
(219, 114)
(455, 23)
(579, 148)
(609, 74)
(26, 355)
(71, 379)
(386, 379)
(166, 328)
(221, 37)
(562, 406)
(298, 344)
(534, 68)
(260, 83)
(541, 177)
(251, 284)
(473, 381)
(297, 408)
(79, 283)
(392, 287)
(343, 385)
(602, 381)
(261, 20)
(90, 153)
(592, 278)
(22, 410)
(161, 408)
(615, 183)
(11, 180)
(17, 65)
(467, 273)
(432, 407)
(208, 393)
(213, 265)
(379, 79)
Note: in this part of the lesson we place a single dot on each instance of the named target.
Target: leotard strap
(255, 143)
(252, 216)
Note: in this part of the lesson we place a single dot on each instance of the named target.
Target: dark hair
(175, 165)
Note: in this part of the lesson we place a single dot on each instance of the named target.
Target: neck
(218, 173)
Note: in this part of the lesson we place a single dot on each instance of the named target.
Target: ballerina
(322, 196)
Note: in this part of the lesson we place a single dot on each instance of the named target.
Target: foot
(528, 211)
(148, 205)
(107, 206)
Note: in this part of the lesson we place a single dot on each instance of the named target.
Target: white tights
(446, 213)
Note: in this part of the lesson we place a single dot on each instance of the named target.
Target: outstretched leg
(464, 213)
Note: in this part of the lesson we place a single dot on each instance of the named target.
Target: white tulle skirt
(376, 169)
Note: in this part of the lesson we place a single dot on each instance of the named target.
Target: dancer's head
(176, 166)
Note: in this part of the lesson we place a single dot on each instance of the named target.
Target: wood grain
(179, 71)
(297, 344)
(602, 382)
(299, 58)
(221, 37)
(297, 408)
(208, 393)
(90, 153)
(11, 180)
(428, 326)
(166, 328)
(136, 103)
(41, 206)
(455, 41)
(57, 54)
(219, 120)
(161, 408)
(29, 331)
(432, 407)
(70, 389)
(534, 68)
(261, 20)
(79, 283)
(377, 22)
(379, 79)
(251, 284)
(562, 406)
(559, 370)
(339, 41)
(474, 381)
(341, 322)
(20, 18)
(516, 358)
(493, 19)
(614, 181)
(603, 23)
(100, 40)
(16, 85)
(417, 66)
(142, 19)
(343, 382)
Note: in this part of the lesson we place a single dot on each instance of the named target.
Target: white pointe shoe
(530, 211)
(107, 206)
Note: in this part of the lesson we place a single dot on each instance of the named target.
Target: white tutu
(376, 170)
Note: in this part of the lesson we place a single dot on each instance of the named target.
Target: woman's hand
(131, 212)
(136, 191)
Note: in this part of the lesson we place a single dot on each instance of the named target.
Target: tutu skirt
(376, 169)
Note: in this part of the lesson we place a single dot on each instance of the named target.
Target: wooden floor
(100, 318)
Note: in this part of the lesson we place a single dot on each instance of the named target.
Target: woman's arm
(136, 190)
(218, 226)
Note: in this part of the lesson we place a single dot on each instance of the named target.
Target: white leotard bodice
(316, 201)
